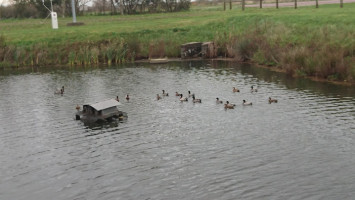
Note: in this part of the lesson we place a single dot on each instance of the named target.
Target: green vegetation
(303, 42)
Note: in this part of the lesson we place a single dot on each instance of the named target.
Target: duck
(117, 99)
(218, 101)
(235, 89)
(59, 91)
(253, 89)
(158, 97)
(190, 95)
(127, 97)
(177, 94)
(183, 98)
(246, 103)
(165, 94)
(229, 105)
(196, 100)
(272, 100)
(77, 107)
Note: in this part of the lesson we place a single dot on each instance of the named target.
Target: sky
(3, 2)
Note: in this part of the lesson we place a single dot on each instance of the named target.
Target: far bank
(302, 42)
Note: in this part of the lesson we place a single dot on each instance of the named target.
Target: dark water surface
(303, 147)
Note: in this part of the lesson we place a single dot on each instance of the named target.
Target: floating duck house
(100, 111)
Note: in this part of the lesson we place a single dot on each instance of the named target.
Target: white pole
(73, 11)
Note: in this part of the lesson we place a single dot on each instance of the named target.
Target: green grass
(317, 42)
(32, 31)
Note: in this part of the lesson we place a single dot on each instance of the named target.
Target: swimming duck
(190, 95)
(59, 91)
(183, 98)
(127, 97)
(253, 89)
(272, 100)
(77, 107)
(235, 89)
(158, 97)
(229, 105)
(165, 94)
(177, 94)
(196, 100)
(246, 103)
(218, 101)
(117, 99)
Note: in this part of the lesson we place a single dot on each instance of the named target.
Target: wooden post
(261, 3)
(295, 4)
(316, 3)
(243, 5)
(224, 5)
(277, 4)
(230, 4)
(341, 3)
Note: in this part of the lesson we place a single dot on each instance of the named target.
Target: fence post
(230, 4)
(243, 5)
(277, 4)
(341, 3)
(295, 4)
(261, 3)
(224, 5)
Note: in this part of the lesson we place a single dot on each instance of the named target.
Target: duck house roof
(102, 105)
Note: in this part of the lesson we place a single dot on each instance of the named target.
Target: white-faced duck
(195, 100)
(229, 105)
(59, 91)
(183, 98)
(165, 94)
(235, 89)
(253, 89)
(246, 103)
(218, 101)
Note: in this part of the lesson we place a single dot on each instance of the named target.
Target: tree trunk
(121, 7)
(341, 3)
(243, 5)
(277, 4)
(63, 9)
(261, 3)
(295, 4)
(230, 4)
(103, 6)
(316, 3)
(224, 5)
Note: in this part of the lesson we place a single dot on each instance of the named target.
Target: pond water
(302, 147)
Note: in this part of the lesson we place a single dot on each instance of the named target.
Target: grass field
(304, 41)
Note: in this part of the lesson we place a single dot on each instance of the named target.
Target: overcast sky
(4, 2)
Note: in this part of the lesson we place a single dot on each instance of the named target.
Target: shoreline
(272, 68)
(147, 61)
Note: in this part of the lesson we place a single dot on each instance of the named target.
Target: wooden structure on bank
(198, 49)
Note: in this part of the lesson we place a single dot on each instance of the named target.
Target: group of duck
(227, 105)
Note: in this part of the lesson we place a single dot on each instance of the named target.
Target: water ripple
(300, 148)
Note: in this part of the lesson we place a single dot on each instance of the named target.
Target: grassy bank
(303, 42)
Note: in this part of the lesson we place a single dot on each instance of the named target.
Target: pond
(302, 147)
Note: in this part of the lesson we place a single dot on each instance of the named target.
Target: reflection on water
(299, 148)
